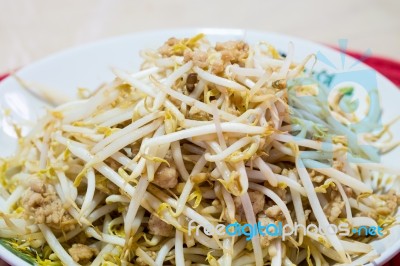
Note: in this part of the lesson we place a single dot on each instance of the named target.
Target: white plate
(89, 66)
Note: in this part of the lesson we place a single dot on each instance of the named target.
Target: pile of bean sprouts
(226, 134)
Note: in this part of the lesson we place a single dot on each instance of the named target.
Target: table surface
(30, 30)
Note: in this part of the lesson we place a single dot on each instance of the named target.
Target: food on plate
(203, 136)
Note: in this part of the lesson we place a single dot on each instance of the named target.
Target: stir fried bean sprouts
(206, 135)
